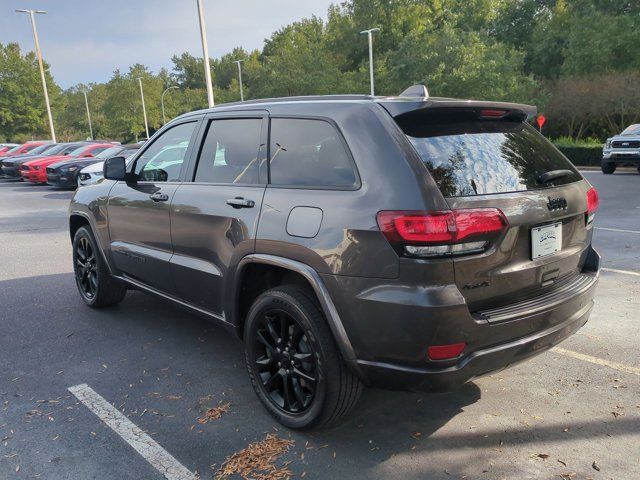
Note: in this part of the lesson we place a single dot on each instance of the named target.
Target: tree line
(577, 60)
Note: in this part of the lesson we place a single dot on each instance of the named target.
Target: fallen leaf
(257, 460)
(543, 456)
(214, 413)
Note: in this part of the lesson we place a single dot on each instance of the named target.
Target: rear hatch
(491, 159)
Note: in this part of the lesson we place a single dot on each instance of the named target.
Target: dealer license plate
(546, 240)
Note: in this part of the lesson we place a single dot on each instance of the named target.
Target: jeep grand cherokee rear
(504, 272)
(396, 242)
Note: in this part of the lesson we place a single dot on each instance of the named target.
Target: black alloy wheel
(293, 361)
(86, 268)
(284, 362)
(97, 287)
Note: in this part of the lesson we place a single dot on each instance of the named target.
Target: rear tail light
(593, 201)
(445, 352)
(440, 233)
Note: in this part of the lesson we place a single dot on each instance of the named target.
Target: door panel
(208, 236)
(140, 232)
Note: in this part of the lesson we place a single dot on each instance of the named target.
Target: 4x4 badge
(559, 203)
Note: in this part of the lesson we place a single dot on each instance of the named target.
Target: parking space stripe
(598, 361)
(620, 230)
(142, 443)
(624, 272)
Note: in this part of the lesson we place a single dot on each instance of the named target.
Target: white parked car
(93, 173)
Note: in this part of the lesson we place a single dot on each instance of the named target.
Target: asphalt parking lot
(572, 413)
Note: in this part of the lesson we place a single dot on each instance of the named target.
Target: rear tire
(293, 361)
(96, 285)
(607, 167)
(638, 168)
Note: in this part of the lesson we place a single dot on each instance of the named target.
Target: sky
(85, 41)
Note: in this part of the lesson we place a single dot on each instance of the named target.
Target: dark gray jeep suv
(406, 242)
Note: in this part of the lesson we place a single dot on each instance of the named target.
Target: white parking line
(624, 272)
(598, 361)
(618, 230)
(142, 443)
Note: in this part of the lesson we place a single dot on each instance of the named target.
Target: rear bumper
(392, 329)
(474, 364)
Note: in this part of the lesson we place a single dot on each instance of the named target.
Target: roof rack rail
(416, 91)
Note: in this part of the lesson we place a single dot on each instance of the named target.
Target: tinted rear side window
(483, 157)
(308, 153)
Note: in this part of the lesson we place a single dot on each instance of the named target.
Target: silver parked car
(622, 149)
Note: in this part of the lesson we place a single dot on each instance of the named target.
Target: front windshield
(53, 149)
(109, 152)
(78, 151)
(15, 149)
(40, 149)
(632, 130)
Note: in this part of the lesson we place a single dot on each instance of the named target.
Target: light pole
(239, 62)
(86, 103)
(205, 53)
(39, 55)
(144, 110)
(369, 33)
(164, 120)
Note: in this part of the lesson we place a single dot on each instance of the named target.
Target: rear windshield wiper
(547, 177)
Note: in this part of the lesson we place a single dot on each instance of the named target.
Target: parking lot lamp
(86, 103)
(164, 120)
(39, 55)
(239, 63)
(369, 34)
(144, 110)
(205, 54)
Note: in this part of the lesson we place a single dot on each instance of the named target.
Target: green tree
(22, 108)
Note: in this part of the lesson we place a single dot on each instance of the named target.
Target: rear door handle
(240, 202)
(159, 197)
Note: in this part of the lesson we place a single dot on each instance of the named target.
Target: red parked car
(35, 171)
(5, 147)
(24, 148)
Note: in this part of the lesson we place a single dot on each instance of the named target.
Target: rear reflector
(442, 232)
(446, 352)
(593, 202)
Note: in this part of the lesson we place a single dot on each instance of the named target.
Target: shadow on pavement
(139, 353)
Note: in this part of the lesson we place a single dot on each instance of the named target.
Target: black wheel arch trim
(89, 219)
(327, 305)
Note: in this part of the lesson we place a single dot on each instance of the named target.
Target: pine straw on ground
(257, 461)
(214, 413)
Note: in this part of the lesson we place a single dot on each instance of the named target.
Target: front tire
(293, 362)
(96, 285)
(607, 167)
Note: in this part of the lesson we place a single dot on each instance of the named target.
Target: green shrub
(572, 142)
(582, 156)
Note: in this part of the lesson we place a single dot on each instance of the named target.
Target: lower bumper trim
(475, 364)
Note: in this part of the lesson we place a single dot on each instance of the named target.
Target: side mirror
(114, 168)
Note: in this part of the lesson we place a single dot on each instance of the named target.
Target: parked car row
(59, 164)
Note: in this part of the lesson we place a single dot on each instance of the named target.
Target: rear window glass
(483, 157)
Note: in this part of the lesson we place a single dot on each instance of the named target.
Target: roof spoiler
(415, 105)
